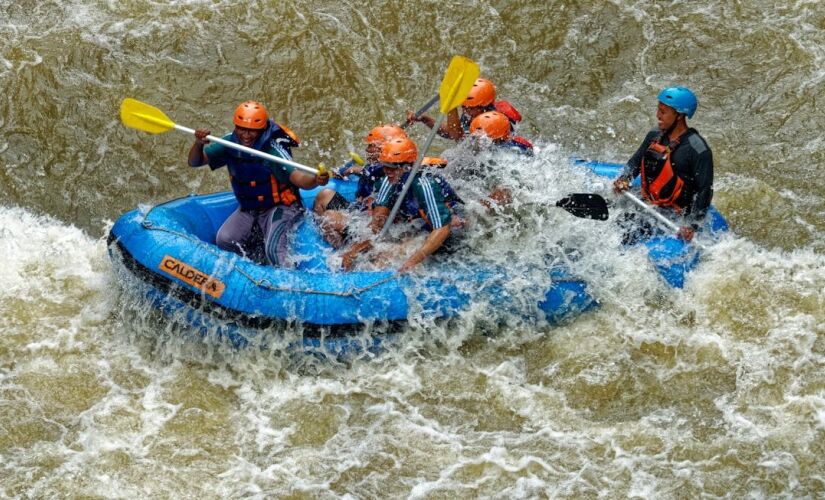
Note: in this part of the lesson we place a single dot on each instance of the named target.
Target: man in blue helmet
(675, 164)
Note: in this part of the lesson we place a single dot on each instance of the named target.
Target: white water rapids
(716, 390)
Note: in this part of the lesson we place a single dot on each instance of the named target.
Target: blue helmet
(681, 99)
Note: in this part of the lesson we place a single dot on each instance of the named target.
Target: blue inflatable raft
(672, 257)
(171, 247)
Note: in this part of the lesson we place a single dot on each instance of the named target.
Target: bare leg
(334, 227)
(322, 200)
(332, 220)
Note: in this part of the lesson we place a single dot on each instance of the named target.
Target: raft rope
(264, 283)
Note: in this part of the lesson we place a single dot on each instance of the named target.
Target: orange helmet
(383, 133)
(493, 124)
(399, 150)
(483, 93)
(250, 114)
(434, 161)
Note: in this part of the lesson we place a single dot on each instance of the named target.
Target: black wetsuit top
(692, 161)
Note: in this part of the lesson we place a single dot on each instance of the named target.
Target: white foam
(48, 261)
(658, 393)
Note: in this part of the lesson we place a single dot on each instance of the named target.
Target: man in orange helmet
(267, 192)
(496, 126)
(330, 206)
(430, 199)
(492, 129)
(372, 170)
(481, 99)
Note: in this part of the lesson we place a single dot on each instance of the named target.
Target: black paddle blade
(585, 205)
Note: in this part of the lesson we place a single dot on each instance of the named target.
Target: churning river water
(716, 390)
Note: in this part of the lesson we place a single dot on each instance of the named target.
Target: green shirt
(430, 199)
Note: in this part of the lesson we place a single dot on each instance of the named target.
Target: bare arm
(425, 119)
(452, 128)
(433, 242)
(197, 158)
(308, 181)
(348, 259)
(379, 216)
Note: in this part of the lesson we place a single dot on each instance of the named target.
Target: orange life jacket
(284, 195)
(666, 186)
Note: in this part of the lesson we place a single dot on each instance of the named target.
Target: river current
(716, 390)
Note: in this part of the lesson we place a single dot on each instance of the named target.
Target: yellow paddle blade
(139, 115)
(457, 82)
(356, 158)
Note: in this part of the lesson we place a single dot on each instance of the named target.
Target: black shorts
(338, 202)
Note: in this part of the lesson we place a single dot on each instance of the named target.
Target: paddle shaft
(661, 218)
(458, 80)
(647, 208)
(410, 179)
(423, 110)
(251, 151)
